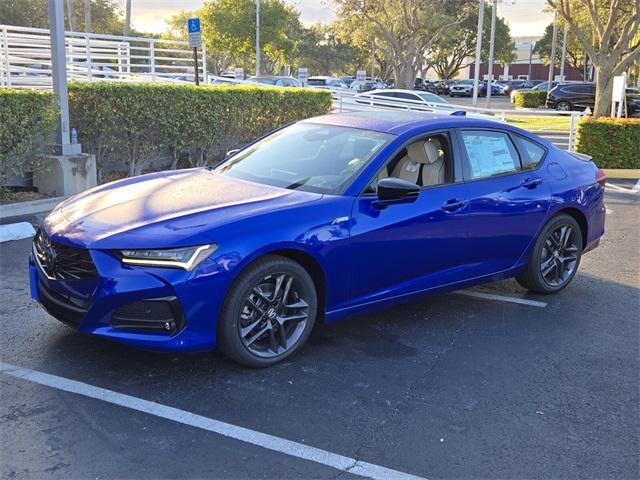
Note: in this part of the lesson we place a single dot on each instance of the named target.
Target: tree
(449, 55)
(403, 30)
(105, 15)
(229, 33)
(323, 50)
(608, 31)
(575, 51)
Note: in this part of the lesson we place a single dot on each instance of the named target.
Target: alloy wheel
(273, 316)
(563, 107)
(559, 256)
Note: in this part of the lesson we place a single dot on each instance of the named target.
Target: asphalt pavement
(454, 386)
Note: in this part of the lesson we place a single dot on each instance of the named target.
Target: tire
(276, 325)
(544, 263)
(563, 106)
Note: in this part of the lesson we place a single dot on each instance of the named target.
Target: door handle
(531, 183)
(454, 205)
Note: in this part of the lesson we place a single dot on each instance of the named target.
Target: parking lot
(488, 383)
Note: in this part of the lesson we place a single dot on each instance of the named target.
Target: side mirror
(395, 190)
(232, 152)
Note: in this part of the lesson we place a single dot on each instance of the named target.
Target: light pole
(491, 50)
(552, 60)
(564, 52)
(476, 73)
(531, 44)
(59, 77)
(257, 38)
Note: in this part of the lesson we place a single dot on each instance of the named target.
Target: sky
(525, 17)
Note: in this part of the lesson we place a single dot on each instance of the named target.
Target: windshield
(306, 156)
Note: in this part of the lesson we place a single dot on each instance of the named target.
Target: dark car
(424, 85)
(580, 96)
(324, 218)
(511, 85)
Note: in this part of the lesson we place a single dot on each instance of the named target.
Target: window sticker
(489, 154)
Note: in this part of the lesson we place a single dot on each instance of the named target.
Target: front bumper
(146, 307)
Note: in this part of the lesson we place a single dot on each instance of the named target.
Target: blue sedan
(324, 218)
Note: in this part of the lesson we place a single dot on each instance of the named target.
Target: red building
(539, 71)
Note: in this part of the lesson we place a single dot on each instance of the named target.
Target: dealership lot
(493, 384)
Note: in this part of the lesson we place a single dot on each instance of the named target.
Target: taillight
(601, 177)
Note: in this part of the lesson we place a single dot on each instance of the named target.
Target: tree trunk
(603, 92)
(404, 75)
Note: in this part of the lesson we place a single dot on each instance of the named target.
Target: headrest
(422, 152)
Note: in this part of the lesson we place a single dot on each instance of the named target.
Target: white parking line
(501, 298)
(270, 442)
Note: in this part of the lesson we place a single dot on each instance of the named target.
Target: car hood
(163, 209)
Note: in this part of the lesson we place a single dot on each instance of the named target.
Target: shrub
(27, 123)
(533, 99)
(134, 122)
(612, 142)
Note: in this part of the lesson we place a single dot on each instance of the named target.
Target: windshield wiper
(299, 183)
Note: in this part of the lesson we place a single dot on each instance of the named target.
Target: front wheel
(555, 257)
(269, 312)
(563, 106)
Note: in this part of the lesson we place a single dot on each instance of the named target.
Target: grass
(540, 122)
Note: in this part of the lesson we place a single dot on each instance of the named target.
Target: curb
(29, 208)
(16, 231)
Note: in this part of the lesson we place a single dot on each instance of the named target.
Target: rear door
(409, 247)
(509, 197)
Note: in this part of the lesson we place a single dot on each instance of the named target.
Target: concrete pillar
(66, 175)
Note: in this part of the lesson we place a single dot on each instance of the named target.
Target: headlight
(183, 257)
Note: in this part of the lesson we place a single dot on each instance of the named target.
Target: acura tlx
(324, 218)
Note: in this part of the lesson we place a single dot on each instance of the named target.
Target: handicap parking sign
(194, 25)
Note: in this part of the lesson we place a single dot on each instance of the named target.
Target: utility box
(64, 175)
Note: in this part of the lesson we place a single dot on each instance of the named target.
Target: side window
(489, 153)
(407, 96)
(532, 153)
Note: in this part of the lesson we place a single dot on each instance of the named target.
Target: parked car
(347, 80)
(461, 88)
(324, 218)
(330, 83)
(482, 89)
(511, 85)
(580, 96)
(540, 87)
(275, 81)
(217, 81)
(414, 100)
(424, 85)
(360, 86)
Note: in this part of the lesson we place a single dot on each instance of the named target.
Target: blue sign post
(195, 41)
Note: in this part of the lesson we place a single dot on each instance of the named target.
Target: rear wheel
(555, 257)
(269, 312)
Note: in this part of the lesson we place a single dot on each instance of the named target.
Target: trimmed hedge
(27, 123)
(133, 123)
(612, 142)
(533, 99)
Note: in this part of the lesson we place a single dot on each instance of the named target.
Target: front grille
(62, 262)
(67, 309)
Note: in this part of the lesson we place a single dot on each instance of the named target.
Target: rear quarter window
(532, 153)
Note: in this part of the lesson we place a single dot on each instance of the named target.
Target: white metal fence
(558, 128)
(25, 58)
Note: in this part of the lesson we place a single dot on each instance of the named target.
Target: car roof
(399, 122)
